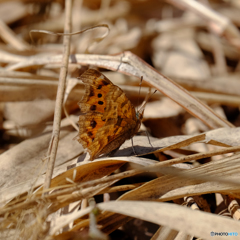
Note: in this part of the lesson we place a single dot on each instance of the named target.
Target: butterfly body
(107, 117)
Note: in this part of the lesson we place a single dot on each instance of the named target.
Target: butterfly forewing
(96, 89)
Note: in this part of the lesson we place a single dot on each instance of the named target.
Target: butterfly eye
(89, 134)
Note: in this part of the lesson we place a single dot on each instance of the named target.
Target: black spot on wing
(93, 123)
(105, 82)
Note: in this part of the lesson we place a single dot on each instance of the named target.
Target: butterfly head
(139, 114)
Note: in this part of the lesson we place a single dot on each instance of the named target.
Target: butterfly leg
(133, 147)
(149, 139)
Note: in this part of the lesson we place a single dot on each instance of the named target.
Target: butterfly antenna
(146, 99)
(133, 147)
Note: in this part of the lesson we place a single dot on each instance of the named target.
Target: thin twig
(52, 150)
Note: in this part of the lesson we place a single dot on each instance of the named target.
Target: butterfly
(107, 118)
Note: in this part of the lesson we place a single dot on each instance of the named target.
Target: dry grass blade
(9, 36)
(132, 65)
(194, 223)
(190, 182)
(175, 92)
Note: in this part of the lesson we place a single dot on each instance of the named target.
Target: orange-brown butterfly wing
(108, 117)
